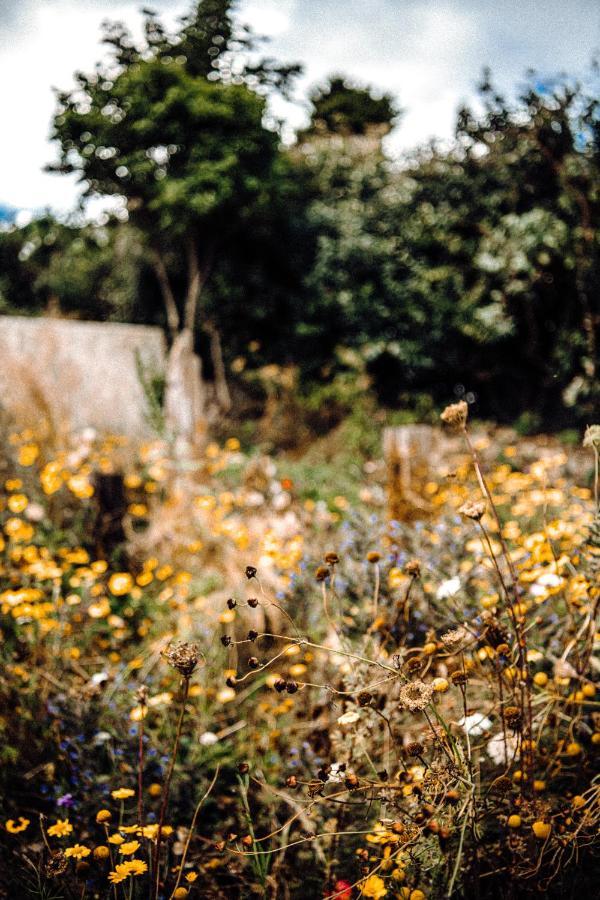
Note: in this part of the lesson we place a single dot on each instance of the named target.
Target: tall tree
(175, 128)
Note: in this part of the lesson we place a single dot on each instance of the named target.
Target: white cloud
(428, 54)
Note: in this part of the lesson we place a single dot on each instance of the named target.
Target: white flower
(348, 718)
(545, 581)
(502, 752)
(336, 774)
(208, 739)
(475, 724)
(448, 588)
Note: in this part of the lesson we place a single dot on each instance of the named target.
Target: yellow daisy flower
(15, 827)
(122, 794)
(60, 828)
(78, 851)
(129, 848)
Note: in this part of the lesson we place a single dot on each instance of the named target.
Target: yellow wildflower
(122, 793)
(78, 851)
(60, 828)
(374, 887)
(120, 583)
(129, 848)
(15, 827)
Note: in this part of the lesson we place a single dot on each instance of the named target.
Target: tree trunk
(216, 353)
(197, 276)
(167, 294)
(184, 394)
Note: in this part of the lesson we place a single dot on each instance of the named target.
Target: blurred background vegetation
(323, 275)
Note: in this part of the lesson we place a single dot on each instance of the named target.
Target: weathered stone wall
(77, 374)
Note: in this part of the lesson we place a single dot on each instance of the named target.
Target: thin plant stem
(167, 787)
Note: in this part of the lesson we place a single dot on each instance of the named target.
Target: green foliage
(341, 108)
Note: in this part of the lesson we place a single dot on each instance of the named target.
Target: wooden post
(408, 451)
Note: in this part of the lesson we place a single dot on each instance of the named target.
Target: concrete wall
(77, 374)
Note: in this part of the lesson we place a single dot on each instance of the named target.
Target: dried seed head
(226, 640)
(416, 695)
(56, 865)
(459, 678)
(280, 685)
(364, 698)
(252, 602)
(415, 748)
(351, 781)
(455, 415)
(230, 681)
(331, 559)
(413, 568)
(413, 665)
(501, 785)
(252, 635)
(322, 573)
(291, 781)
(373, 556)
(513, 717)
(473, 509)
(454, 639)
(250, 572)
(243, 768)
(184, 657)
(253, 663)
(496, 635)
(291, 687)
(231, 603)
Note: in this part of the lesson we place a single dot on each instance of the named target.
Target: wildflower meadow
(299, 450)
(299, 697)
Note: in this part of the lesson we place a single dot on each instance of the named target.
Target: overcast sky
(428, 53)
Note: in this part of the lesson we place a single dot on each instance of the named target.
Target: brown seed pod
(413, 568)
(415, 748)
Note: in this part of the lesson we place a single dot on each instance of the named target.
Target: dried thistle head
(56, 865)
(416, 695)
(413, 568)
(322, 573)
(184, 657)
(512, 715)
(415, 748)
(455, 415)
(454, 639)
(331, 558)
(473, 509)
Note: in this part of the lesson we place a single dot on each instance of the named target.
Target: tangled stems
(185, 685)
(199, 806)
(514, 615)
